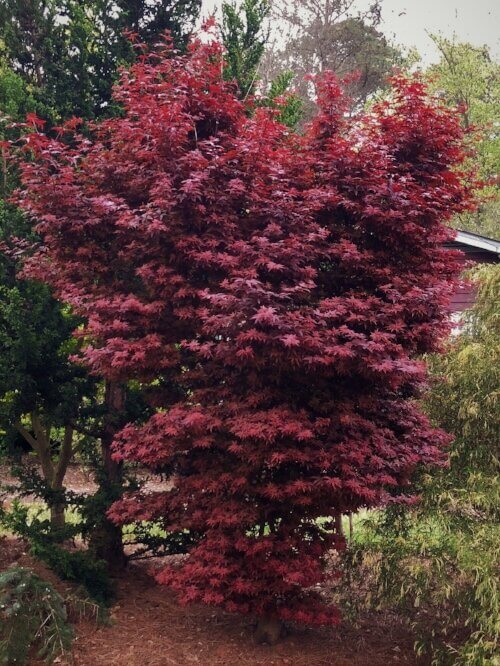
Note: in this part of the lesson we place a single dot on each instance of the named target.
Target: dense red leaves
(284, 284)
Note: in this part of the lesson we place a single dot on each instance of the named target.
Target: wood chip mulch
(149, 628)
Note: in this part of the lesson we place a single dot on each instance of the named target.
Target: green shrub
(32, 614)
(438, 561)
(78, 566)
(47, 544)
(444, 582)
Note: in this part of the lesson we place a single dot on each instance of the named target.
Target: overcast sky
(406, 22)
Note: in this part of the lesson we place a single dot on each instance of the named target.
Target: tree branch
(64, 458)
(43, 449)
(27, 436)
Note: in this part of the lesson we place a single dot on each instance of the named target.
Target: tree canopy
(271, 293)
(244, 38)
(68, 51)
(328, 35)
(468, 77)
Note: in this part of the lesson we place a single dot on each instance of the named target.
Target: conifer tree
(244, 38)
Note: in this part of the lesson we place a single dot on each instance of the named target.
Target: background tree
(282, 96)
(150, 20)
(244, 36)
(327, 35)
(245, 32)
(69, 51)
(35, 47)
(15, 99)
(41, 391)
(468, 77)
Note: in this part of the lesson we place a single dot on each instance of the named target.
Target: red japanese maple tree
(272, 292)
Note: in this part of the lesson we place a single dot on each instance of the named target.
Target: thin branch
(43, 448)
(64, 457)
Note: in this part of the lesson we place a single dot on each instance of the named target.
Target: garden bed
(149, 628)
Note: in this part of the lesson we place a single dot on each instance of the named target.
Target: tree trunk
(106, 539)
(53, 474)
(338, 524)
(57, 509)
(57, 517)
(269, 630)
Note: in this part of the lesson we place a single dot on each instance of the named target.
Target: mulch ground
(149, 628)
(77, 479)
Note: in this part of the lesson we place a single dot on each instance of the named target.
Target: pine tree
(244, 38)
(149, 21)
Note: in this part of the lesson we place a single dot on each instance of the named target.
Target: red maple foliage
(272, 293)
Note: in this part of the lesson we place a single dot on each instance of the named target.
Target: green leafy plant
(244, 36)
(46, 544)
(282, 97)
(468, 77)
(33, 615)
(438, 561)
(77, 566)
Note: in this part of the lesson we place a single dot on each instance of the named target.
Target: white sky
(406, 22)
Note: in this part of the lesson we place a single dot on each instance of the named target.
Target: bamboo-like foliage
(439, 561)
(32, 615)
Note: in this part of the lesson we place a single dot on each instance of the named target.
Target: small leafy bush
(438, 561)
(33, 615)
(442, 580)
(77, 566)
